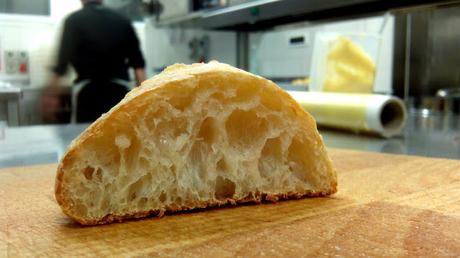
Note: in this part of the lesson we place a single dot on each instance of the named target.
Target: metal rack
(265, 14)
(259, 15)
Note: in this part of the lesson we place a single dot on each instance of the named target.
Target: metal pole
(242, 50)
(407, 57)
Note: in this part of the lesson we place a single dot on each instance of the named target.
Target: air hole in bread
(105, 203)
(300, 160)
(245, 128)
(222, 165)
(179, 127)
(132, 197)
(139, 187)
(271, 157)
(162, 197)
(131, 154)
(88, 172)
(184, 99)
(197, 158)
(142, 202)
(208, 131)
(225, 188)
(99, 174)
(167, 131)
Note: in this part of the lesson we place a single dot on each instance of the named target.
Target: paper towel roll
(381, 114)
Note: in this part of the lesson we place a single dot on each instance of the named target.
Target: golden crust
(171, 74)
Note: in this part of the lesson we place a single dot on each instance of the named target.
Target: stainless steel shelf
(264, 14)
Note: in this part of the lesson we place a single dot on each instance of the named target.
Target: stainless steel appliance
(427, 57)
(9, 105)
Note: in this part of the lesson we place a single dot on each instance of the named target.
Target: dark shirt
(99, 43)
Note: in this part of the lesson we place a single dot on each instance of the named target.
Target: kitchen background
(32, 40)
(29, 33)
(414, 45)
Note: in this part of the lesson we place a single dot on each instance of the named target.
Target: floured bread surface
(192, 137)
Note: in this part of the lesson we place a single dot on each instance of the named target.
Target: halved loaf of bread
(191, 137)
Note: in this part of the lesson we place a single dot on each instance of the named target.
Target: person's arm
(135, 58)
(139, 73)
(54, 80)
(50, 98)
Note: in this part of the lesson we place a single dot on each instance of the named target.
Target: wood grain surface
(387, 205)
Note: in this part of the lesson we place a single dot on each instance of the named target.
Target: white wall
(61, 8)
(174, 8)
(166, 46)
(38, 35)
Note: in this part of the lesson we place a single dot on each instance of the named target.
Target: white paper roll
(381, 114)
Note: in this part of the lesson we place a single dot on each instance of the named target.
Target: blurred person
(101, 45)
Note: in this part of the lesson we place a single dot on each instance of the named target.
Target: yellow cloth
(349, 68)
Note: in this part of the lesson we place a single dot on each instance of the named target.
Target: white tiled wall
(61, 8)
(38, 35)
(23, 34)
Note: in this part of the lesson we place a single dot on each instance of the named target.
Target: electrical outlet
(16, 62)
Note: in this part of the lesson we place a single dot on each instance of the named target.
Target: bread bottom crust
(250, 198)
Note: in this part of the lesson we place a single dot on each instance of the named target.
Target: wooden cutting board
(387, 205)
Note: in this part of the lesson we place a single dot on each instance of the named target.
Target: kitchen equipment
(199, 48)
(296, 51)
(9, 98)
(382, 114)
(281, 54)
(389, 205)
(17, 70)
(426, 57)
(450, 99)
(437, 105)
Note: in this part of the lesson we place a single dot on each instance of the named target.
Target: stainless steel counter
(431, 135)
(30, 145)
(425, 135)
